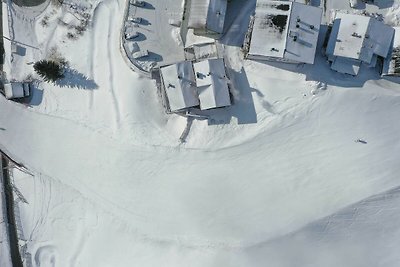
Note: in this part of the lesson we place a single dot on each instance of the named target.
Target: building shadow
(75, 79)
(316, 3)
(21, 51)
(381, 4)
(237, 15)
(36, 95)
(243, 104)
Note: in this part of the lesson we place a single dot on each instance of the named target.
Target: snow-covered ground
(277, 179)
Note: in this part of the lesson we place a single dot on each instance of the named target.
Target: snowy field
(277, 179)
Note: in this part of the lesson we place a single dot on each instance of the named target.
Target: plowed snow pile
(281, 178)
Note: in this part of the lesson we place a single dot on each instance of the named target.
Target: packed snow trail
(233, 187)
(297, 163)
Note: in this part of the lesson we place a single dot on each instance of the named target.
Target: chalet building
(202, 85)
(356, 40)
(283, 31)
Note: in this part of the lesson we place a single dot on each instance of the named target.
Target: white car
(353, 3)
(129, 35)
(14, 90)
(140, 54)
(138, 3)
(135, 19)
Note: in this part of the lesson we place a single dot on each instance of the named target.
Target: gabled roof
(207, 14)
(285, 30)
(180, 86)
(212, 83)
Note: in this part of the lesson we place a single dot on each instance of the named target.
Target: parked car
(131, 35)
(140, 54)
(135, 19)
(138, 3)
(15, 90)
(353, 3)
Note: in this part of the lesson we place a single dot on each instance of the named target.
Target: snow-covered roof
(16, 90)
(212, 83)
(286, 30)
(391, 65)
(303, 33)
(207, 14)
(359, 37)
(270, 28)
(180, 86)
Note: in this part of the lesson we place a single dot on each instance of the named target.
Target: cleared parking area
(152, 34)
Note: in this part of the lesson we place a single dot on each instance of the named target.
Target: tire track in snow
(111, 26)
(106, 10)
(92, 51)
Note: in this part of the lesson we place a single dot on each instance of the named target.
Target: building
(356, 40)
(207, 17)
(201, 85)
(283, 31)
(179, 85)
(391, 65)
(212, 84)
(14, 90)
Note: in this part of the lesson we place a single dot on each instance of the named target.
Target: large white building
(283, 31)
(207, 17)
(201, 85)
(357, 39)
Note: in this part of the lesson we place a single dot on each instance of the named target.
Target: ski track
(112, 87)
(109, 67)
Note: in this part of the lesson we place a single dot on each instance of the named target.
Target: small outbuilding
(14, 90)
(207, 17)
(358, 39)
(283, 31)
(179, 84)
(212, 83)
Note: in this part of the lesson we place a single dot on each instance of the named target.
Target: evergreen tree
(50, 71)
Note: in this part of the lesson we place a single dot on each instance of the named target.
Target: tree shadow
(75, 79)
